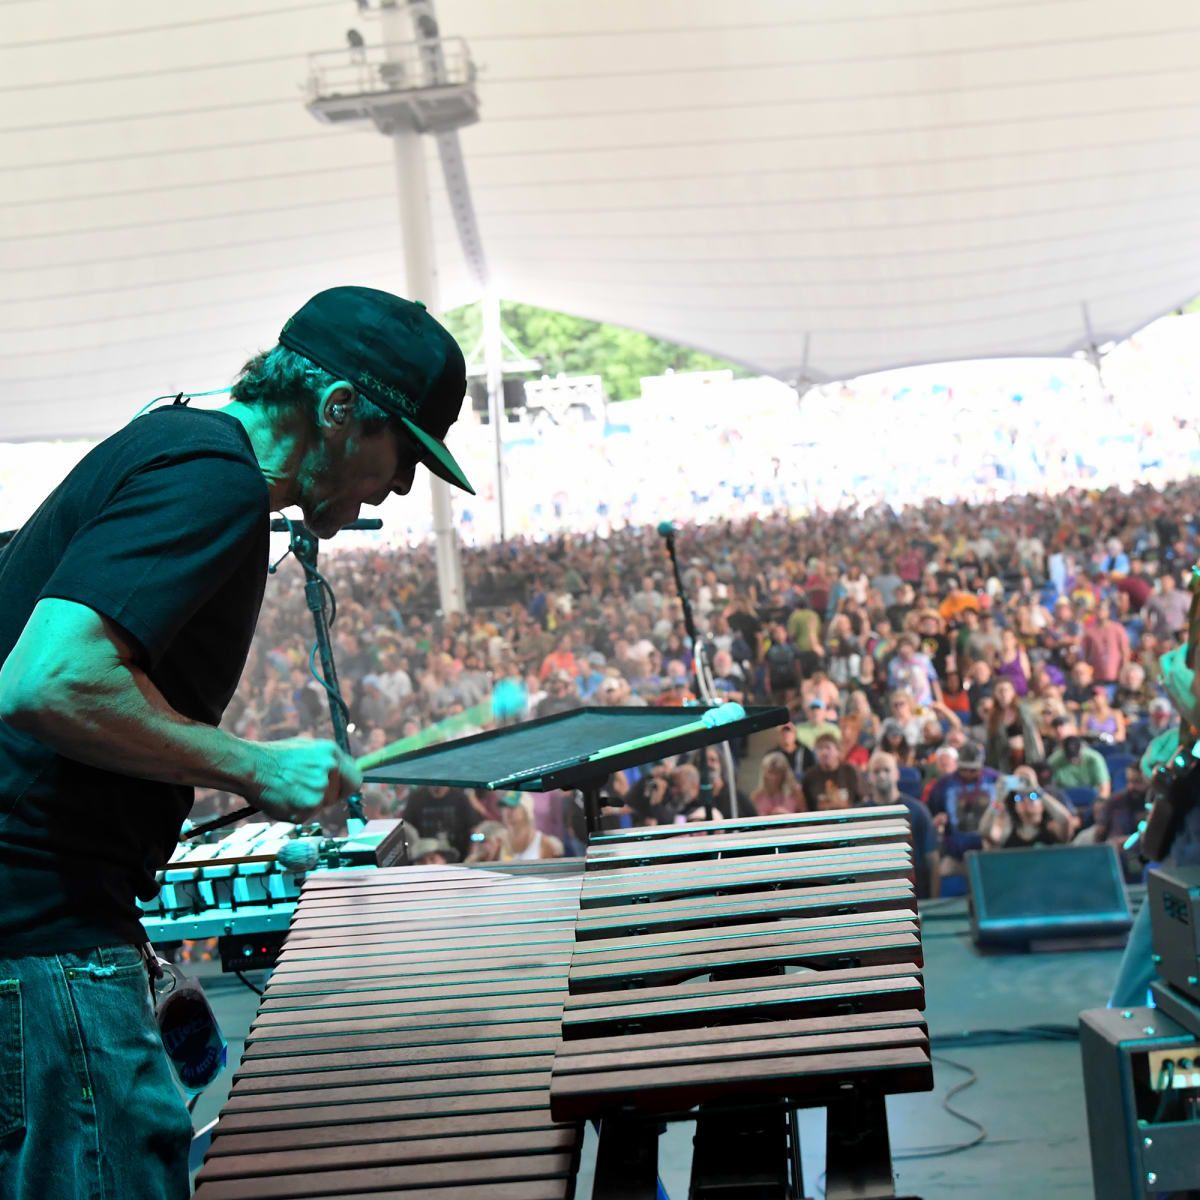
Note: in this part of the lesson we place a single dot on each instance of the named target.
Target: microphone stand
(668, 532)
(304, 545)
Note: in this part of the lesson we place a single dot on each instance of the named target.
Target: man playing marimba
(127, 605)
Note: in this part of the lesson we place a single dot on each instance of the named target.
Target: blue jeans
(89, 1107)
(1137, 970)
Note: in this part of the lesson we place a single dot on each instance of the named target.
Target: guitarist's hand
(1195, 691)
(1182, 683)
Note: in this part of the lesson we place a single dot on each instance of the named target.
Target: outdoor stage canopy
(814, 188)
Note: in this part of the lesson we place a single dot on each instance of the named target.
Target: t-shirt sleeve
(924, 836)
(167, 539)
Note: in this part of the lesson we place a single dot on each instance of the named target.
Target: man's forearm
(119, 721)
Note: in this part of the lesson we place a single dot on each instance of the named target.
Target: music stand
(579, 749)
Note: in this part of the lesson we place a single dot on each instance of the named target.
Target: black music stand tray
(570, 750)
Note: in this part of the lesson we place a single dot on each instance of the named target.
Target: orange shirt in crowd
(557, 660)
(956, 604)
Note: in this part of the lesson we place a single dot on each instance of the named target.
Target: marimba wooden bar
(404, 1042)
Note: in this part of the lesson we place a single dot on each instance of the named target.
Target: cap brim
(437, 458)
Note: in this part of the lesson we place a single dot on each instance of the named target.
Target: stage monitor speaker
(1048, 897)
(514, 394)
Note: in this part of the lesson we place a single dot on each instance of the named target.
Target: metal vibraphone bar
(748, 968)
(404, 1042)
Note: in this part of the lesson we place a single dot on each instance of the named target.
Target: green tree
(576, 346)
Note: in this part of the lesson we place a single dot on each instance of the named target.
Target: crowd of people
(994, 667)
(718, 447)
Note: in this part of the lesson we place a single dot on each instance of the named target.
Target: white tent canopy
(816, 189)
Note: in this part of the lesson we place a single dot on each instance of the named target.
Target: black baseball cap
(970, 756)
(396, 355)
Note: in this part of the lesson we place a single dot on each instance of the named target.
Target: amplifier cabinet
(1173, 894)
(1134, 1155)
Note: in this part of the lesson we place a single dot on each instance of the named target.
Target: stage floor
(1028, 1095)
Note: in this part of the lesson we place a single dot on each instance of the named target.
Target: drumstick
(378, 757)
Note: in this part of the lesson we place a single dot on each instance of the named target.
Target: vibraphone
(235, 884)
(232, 872)
(445, 1031)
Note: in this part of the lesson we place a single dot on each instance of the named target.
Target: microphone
(666, 528)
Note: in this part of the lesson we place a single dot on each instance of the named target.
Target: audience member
(957, 803)
(799, 756)
(433, 852)
(1100, 720)
(883, 776)
(522, 840)
(443, 813)
(1076, 765)
(816, 722)
(1118, 819)
(1105, 645)
(831, 783)
(778, 790)
(894, 740)
(1012, 735)
(1167, 610)
(1022, 816)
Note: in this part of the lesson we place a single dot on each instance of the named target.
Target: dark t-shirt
(1042, 835)
(838, 788)
(781, 665)
(924, 842)
(449, 817)
(1119, 817)
(800, 759)
(749, 627)
(164, 529)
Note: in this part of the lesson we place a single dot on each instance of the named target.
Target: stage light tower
(415, 83)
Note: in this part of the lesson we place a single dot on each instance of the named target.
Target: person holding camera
(1022, 815)
(652, 799)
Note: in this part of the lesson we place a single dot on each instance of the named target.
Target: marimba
(732, 975)
(445, 1031)
(404, 1043)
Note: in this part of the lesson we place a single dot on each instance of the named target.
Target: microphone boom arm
(701, 677)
